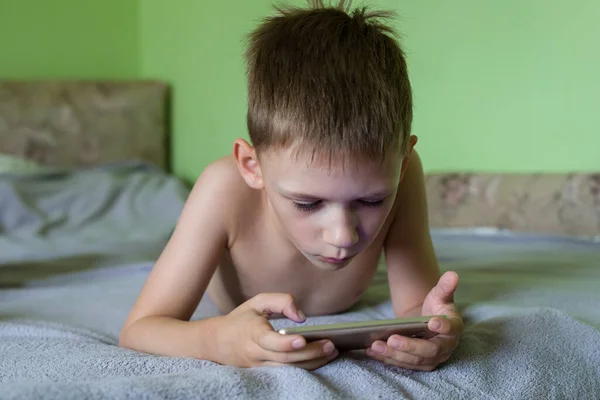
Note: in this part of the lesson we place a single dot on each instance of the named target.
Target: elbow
(125, 337)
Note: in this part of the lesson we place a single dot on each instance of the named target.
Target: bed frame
(75, 123)
(565, 204)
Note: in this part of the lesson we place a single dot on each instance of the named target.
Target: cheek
(299, 224)
(371, 221)
(303, 231)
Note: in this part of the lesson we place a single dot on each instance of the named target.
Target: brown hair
(328, 80)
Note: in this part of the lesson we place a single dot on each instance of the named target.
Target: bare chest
(246, 271)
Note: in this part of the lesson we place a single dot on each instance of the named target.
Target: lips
(335, 260)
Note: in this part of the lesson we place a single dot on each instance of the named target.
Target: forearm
(171, 337)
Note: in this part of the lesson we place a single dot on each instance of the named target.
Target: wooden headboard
(85, 123)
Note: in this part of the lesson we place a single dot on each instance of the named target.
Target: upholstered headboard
(546, 203)
(84, 123)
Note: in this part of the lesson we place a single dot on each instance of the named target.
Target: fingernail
(328, 347)
(378, 347)
(436, 324)
(396, 343)
(301, 315)
(298, 343)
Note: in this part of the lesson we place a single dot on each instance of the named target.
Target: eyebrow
(373, 195)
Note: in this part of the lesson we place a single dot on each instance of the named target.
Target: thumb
(445, 288)
(276, 303)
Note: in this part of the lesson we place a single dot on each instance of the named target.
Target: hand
(426, 354)
(246, 338)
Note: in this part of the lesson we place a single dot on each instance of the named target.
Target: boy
(295, 223)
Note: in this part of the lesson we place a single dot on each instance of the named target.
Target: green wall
(197, 47)
(506, 85)
(499, 86)
(68, 39)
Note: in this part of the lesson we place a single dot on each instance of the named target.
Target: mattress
(75, 252)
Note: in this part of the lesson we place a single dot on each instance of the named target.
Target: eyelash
(313, 206)
(307, 207)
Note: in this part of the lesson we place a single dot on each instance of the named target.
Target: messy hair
(329, 81)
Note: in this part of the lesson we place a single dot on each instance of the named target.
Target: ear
(247, 163)
(412, 141)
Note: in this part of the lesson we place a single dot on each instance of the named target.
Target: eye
(307, 206)
(377, 203)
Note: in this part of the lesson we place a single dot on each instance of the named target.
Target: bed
(87, 200)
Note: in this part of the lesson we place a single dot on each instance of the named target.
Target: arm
(416, 287)
(411, 262)
(158, 322)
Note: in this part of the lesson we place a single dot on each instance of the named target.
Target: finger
(389, 355)
(268, 339)
(428, 365)
(314, 350)
(418, 347)
(450, 325)
(307, 365)
(276, 303)
(447, 344)
(445, 288)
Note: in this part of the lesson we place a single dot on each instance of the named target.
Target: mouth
(335, 261)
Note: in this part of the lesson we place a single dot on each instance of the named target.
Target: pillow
(12, 164)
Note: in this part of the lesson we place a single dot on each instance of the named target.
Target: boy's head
(330, 82)
(329, 116)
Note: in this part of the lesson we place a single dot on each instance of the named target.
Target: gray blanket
(531, 306)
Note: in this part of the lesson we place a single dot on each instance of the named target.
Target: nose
(341, 231)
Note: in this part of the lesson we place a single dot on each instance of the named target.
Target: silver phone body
(360, 335)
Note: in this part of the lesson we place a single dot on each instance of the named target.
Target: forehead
(310, 174)
(292, 159)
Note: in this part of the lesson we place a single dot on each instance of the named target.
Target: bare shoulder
(221, 175)
(409, 229)
(414, 175)
(412, 180)
(408, 217)
(221, 186)
(202, 234)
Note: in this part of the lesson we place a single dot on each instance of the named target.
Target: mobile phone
(360, 335)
